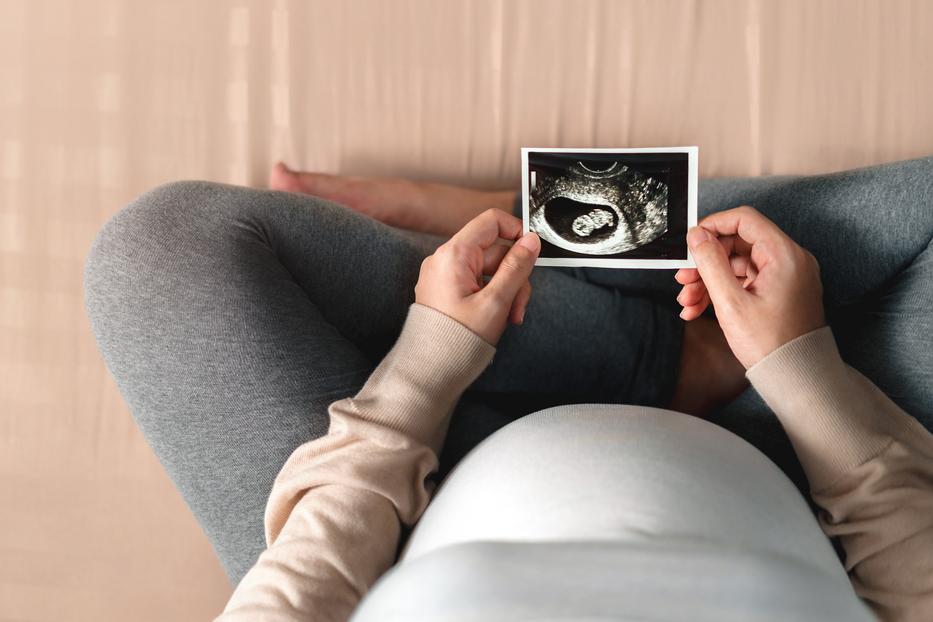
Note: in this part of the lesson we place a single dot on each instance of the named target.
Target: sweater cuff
(420, 380)
(832, 415)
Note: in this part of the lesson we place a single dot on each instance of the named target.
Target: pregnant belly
(620, 473)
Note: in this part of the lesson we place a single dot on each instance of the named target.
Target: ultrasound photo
(611, 208)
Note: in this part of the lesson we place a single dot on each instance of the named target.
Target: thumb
(514, 269)
(712, 264)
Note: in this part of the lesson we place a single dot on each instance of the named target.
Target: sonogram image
(611, 208)
(597, 206)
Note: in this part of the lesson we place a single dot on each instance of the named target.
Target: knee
(155, 215)
(142, 239)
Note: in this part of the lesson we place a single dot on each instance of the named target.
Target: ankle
(709, 375)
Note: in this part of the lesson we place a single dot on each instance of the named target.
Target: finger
(735, 245)
(744, 269)
(691, 294)
(492, 256)
(730, 243)
(514, 269)
(485, 229)
(694, 311)
(517, 313)
(750, 276)
(740, 265)
(713, 265)
(686, 275)
(746, 222)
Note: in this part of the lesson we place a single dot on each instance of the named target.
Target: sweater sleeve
(870, 468)
(334, 514)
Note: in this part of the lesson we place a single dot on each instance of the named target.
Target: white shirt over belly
(601, 512)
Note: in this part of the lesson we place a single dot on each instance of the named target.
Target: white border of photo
(595, 262)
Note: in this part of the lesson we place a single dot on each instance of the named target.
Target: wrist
(434, 360)
(829, 417)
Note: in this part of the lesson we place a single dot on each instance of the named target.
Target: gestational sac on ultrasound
(598, 208)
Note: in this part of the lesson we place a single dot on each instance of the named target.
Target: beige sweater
(334, 515)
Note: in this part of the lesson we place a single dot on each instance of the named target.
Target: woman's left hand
(452, 282)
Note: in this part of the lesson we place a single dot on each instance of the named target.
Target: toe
(284, 179)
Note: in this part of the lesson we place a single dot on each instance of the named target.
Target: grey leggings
(232, 317)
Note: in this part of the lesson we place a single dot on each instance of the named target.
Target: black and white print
(611, 208)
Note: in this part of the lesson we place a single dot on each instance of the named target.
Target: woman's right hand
(765, 288)
(453, 279)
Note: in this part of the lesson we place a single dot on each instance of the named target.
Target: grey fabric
(232, 317)
(663, 517)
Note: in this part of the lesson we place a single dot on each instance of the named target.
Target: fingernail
(696, 236)
(750, 275)
(521, 317)
(530, 241)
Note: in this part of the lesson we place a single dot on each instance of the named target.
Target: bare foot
(709, 376)
(419, 206)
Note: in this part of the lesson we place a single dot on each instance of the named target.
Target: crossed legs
(231, 318)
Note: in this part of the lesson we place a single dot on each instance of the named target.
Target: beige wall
(102, 99)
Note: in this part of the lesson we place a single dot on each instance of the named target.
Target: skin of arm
(335, 511)
(869, 464)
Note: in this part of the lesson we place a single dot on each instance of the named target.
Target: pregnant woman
(253, 329)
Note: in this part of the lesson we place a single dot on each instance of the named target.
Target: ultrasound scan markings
(598, 209)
